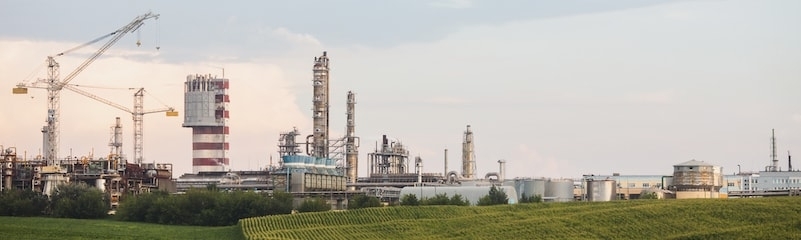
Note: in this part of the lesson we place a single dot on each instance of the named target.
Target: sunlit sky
(556, 88)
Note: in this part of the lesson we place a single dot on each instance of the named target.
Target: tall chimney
(446, 163)
(502, 170)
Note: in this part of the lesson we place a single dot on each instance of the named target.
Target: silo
(558, 190)
(601, 190)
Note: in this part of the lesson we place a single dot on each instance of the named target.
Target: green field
(758, 218)
(60, 228)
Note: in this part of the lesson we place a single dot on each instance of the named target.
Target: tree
(363, 201)
(314, 205)
(23, 203)
(458, 200)
(438, 199)
(496, 196)
(409, 200)
(78, 201)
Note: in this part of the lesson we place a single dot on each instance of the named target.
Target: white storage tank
(601, 190)
(558, 190)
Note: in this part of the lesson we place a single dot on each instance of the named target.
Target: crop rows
(702, 218)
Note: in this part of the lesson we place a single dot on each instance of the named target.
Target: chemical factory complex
(316, 163)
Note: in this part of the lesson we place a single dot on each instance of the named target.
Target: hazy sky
(556, 88)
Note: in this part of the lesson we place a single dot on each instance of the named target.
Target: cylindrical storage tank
(558, 190)
(533, 187)
(601, 190)
(101, 184)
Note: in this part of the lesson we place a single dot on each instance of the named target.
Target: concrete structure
(206, 105)
(696, 179)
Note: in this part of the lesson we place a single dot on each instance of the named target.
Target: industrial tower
(351, 141)
(320, 107)
(206, 106)
(468, 155)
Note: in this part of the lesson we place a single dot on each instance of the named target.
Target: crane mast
(54, 85)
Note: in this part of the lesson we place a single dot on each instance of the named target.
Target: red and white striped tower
(206, 112)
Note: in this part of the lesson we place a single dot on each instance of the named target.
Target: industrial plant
(312, 162)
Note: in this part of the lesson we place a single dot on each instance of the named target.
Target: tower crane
(54, 85)
(138, 113)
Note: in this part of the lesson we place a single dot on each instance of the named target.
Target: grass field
(60, 228)
(758, 218)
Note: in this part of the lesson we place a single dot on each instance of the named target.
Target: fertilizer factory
(320, 165)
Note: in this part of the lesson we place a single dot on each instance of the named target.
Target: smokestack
(775, 167)
(419, 168)
(502, 170)
(446, 163)
(789, 162)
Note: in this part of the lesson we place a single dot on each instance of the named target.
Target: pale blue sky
(557, 88)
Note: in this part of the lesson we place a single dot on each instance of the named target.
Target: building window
(631, 185)
(731, 184)
(645, 185)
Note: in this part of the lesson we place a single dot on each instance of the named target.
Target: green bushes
(78, 201)
(67, 201)
(438, 199)
(496, 196)
(202, 207)
(530, 199)
(363, 201)
(23, 203)
(314, 205)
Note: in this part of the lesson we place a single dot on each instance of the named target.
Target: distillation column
(351, 141)
(320, 107)
(468, 155)
(206, 105)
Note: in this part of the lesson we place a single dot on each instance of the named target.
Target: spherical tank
(559, 190)
(601, 190)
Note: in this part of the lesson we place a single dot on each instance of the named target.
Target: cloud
(546, 166)
(296, 38)
(452, 3)
(658, 97)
